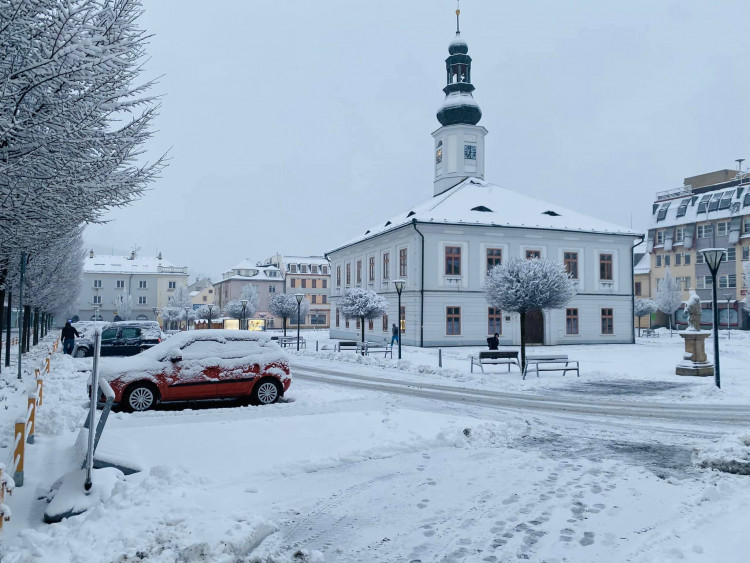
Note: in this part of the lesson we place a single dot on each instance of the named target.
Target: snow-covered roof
(698, 207)
(248, 270)
(319, 260)
(644, 265)
(476, 202)
(256, 278)
(107, 263)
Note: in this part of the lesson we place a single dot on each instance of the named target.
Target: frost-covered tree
(520, 286)
(208, 313)
(746, 276)
(362, 304)
(643, 308)
(73, 118)
(179, 303)
(284, 305)
(123, 305)
(668, 296)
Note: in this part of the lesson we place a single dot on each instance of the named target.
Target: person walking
(68, 337)
(493, 341)
(394, 332)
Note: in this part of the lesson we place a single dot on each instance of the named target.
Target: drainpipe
(632, 288)
(421, 289)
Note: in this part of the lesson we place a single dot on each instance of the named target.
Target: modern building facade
(147, 281)
(708, 211)
(311, 276)
(444, 247)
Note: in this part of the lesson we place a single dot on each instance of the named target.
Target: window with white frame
(703, 282)
(731, 254)
(608, 325)
(700, 258)
(142, 284)
(679, 234)
(659, 237)
(722, 228)
(452, 260)
(141, 300)
(728, 281)
(173, 285)
(746, 253)
(97, 283)
(453, 321)
(97, 300)
(120, 284)
(704, 231)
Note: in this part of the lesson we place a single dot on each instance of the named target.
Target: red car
(200, 365)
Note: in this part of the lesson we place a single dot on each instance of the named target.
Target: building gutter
(421, 289)
(632, 288)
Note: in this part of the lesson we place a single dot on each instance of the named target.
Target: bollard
(32, 417)
(316, 345)
(440, 357)
(18, 451)
(46, 364)
(37, 373)
(39, 389)
(4, 510)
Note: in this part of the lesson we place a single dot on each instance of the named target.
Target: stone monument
(694, 360)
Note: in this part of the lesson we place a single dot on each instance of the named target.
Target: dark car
(122, 339)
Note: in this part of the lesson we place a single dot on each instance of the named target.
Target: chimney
(91, 253)
(132, 255)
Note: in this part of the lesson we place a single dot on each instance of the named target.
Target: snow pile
(730, 455)
(64, 401)
(70, 497)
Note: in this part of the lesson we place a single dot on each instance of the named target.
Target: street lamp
(713, 258)
(244, 306)
(154, 310)
(210, 314)
(298, 297)
(728, 297)
(399, 288)
(187, 326)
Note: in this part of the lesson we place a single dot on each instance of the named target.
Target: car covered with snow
(200, 365)
(123, 338)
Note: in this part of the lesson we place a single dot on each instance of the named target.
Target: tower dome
(458, 46)
(459, 106)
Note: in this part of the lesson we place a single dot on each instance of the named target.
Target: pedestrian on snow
(68, 337)
(493, 341)
(394, 332)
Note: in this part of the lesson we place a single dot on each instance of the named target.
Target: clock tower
(459, 143)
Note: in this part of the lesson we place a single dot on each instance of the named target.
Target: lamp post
(187, 326)
(244, 306)
(154, 310)
(210, 314)
(728, 297)
(713, 258)
(399, 288)
(298, 297)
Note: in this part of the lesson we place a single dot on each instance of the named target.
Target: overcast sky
(296, 125)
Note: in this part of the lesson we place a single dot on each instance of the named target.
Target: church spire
(459, 106)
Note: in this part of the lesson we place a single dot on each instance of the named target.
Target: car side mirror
(175, 359)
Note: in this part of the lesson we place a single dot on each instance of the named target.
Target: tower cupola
(459, 143)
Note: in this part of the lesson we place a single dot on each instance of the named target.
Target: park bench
(494, 357)
(650, 333)
(348, 345)
(287, 341)
(378, 347)
(550, 362)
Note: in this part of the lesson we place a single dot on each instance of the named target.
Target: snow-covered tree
(73, 119)
(250, 294)
(643, 308)
(746, 276)
(520, 286)
(669, 296)
(208, 313)
(123, 305)
(180, 306)
(284, 305)
(362, 304)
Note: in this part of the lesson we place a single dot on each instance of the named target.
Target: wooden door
(534, 328)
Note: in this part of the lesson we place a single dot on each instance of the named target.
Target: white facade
(459, 153)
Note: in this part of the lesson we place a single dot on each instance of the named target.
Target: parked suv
(125, 338)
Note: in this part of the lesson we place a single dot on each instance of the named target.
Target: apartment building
(311, 276)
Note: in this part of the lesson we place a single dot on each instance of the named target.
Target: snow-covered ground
(342, 474)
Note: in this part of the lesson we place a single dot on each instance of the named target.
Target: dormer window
(551, 213)
(482, 208)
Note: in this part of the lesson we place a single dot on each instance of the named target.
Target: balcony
(172, 269)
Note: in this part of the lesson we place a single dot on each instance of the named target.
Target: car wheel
(266, 392)
(81, 353)
(140, 397)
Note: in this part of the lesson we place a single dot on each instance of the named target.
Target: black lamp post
(244, 306)
(298, 297)
(714, 257)
(187, 326)
(210, 315)
(728, 297)
(399, 288)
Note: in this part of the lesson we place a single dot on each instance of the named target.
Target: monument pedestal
(695, 362)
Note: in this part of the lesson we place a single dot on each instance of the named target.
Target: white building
(444, 247)
(310, 276)
(147, 281)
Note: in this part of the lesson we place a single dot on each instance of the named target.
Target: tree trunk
(36, 326)
(25, 329)
(363, 335)
(523, 340)
(284, 326)
(8, 319)
(639, 327)
(2, 321)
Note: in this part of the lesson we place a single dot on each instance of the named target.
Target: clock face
(439, 156)
(470, 152)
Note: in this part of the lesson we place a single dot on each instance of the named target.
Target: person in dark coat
(394, 332)
(68, 337)
(493, 341)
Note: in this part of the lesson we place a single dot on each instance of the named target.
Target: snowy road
(730, 416)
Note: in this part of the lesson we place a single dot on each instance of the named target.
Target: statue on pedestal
(694, 360)
(693, 308)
